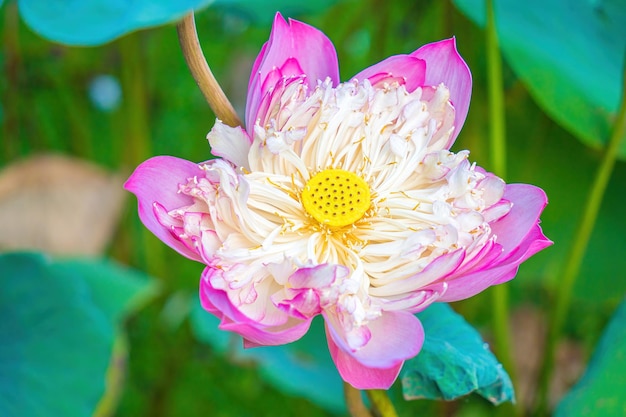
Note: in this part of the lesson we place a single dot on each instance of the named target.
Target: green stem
(77, 114)
(497, 120)
(381, 402)
(149, 252)
(11, 97)
(136, 142)
(354, 401)
(446, 25)
(497, 135)
(578, 249)
(381, 30)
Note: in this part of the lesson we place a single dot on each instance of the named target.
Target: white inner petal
(427, 203)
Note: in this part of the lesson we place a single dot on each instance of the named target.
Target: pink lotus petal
(417, 300)
(269, 104)
(445, 65)
(311, 49)
(528, 203)
(304, 304)
(472, 283)
(302, 297)
(319, 276)
(405, 68)
(157, 180)
(232, 319)
(520, 236)
(257, 336)
(289, 70)
(358, 375)
(395, 337)
(484, 259)
(535, 241)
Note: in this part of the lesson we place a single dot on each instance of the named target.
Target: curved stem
(497, 135)
(381, 402)
(189, 43)
(579, 247)
(354, 401)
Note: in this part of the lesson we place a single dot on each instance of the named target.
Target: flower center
(336, 197)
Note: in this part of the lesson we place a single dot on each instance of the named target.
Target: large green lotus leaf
(55, 342)
(263, 11)
(58, 323)
(94, 22)
(302, 368)
(570, 54)
(454, 362)
(600, 391)
(117, 290)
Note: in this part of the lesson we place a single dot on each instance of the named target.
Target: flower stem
(578, 249)
(192, 51)
(381, 402)
(354, 401)
(148, 251)
(11, 98)
(136, 141)
(381, 30)
(497, 120)
(497, 135)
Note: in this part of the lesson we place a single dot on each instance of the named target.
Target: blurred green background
(118, 104)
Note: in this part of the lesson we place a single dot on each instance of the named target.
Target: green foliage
(547, 156)
(302, 368)
(54, 341)
(454, 362)
(569, 54)
(59, 322)
(263, 11)
(172, 373)
(45, 108)
(94, 22)
(600, 392)
(116, 290)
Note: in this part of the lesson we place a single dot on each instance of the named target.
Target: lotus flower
(342, 200)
